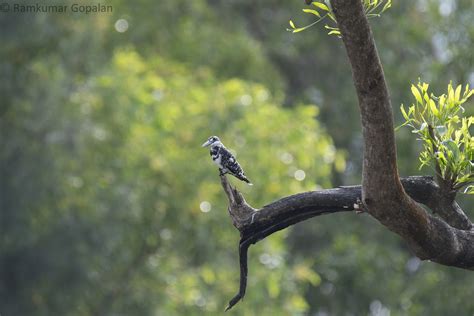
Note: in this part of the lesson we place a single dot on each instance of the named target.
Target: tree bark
(382, 193)
(256, 224)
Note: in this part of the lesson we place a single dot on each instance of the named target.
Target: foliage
(447, 141)
(88, 216)
(372, 9)
(134, 191)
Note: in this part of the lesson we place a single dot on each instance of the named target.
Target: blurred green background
(109, 206)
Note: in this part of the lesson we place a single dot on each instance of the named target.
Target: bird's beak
(207, 143)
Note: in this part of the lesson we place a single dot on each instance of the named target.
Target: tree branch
(254, 225)
(382, 193)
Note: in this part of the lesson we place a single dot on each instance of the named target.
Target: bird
(224, 159)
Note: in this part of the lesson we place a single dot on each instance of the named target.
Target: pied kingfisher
(224, 159)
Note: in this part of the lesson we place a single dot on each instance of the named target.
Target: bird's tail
(247, 180)
(242, 177)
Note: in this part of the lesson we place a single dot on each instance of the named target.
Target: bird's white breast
(217, 161)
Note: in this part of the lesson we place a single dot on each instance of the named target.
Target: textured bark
(394, 202)
(256, 224)
(382, 193)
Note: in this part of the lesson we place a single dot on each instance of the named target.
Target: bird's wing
(229, 162)
(214, 151)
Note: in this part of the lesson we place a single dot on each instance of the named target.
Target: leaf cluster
(373, 8)
(447, 141)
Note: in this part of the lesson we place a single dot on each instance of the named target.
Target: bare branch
(239, 210)
(254, 225)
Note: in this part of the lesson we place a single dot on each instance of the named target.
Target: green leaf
(387, 6)
(453, 148)
(450, 92)
(404, 113)
(321, 6)
(441, 102)
(457, 94)
(423, 126)
(440, 156)
(312, 12)
(416, 94)
(433, 108)
(441, 130)
(297, 30)
(424, 86)
(469, 190)
(332, 17)
(426, 97)
(400, 126)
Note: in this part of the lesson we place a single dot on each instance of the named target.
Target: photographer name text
(42, 8)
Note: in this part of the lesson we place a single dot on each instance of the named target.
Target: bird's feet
(359, 207)
(221, 172)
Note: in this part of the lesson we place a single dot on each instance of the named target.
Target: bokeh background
(109, 206)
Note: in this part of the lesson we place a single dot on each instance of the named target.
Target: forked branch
(256, 224)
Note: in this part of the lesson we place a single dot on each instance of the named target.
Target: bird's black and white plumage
(224, 159)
